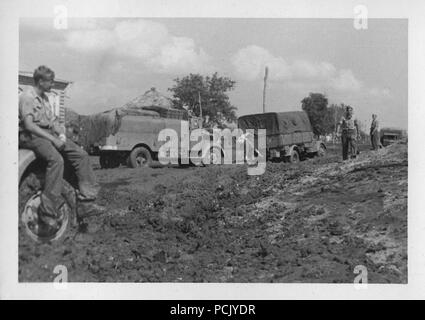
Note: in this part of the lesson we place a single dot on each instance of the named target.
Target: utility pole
(266, 73)
(200, 108)
(335, 124)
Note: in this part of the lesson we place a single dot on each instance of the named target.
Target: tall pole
(266, 73)
(200, 108)
(335, 131)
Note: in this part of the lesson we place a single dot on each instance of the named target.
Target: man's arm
(59, 129)
(338, 129)
(357, 129)
(31, 127)
(376, 126)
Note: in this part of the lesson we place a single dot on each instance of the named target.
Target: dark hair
(43, 73)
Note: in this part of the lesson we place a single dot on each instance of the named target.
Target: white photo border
(11, 11)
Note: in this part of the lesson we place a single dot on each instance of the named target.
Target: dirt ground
(309, 222)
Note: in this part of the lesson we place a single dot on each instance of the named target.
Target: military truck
(391, 135)
(289, 135)
(132, 136)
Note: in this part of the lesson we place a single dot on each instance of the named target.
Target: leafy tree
(212, 93)
(335, 113)
(315, 105)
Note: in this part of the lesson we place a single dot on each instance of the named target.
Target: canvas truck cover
(277, 122)
(97, 126)
(394, 131)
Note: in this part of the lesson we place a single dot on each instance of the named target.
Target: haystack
(153, 100)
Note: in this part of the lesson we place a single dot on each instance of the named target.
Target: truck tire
(29, 201)
(294, 157)
(103, 161)
(213, 156)
(140, 157)
(108, 161)
(321, 152)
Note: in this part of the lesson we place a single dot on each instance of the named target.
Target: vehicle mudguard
(26, 157)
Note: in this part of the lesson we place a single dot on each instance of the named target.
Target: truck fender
(291, 148)
(26, 157)
(321, 144)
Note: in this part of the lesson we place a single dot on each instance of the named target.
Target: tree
(315, 105)
(335, 113)
(212, 93)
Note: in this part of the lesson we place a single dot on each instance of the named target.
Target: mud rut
(308, 222)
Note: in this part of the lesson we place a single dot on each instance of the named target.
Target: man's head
(374, 116)
(348, 111)
(43, 78)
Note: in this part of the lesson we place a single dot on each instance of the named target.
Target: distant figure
(374, 133)
(348, 129)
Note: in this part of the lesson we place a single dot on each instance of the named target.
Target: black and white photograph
(229, 149)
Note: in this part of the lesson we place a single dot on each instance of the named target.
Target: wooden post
(266, 73)
(200, 108)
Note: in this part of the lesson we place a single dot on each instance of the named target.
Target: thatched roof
(151, 98)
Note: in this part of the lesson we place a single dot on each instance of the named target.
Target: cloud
(345, 81)
(181, 54)
(380, 93)
(249, 64)
(90, 40)
(89, 96)
(149, 42)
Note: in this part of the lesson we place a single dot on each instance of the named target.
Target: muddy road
(309, 222)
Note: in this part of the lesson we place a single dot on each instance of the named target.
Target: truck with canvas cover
(129, 136)
(391, 135)
(289, 135)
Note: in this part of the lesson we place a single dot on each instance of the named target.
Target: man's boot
(90, 209)
(48, 214)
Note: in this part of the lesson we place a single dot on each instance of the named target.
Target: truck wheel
(294, 157)
(108, 161)
(213, 156)
(103, 161)
(140, 157)
(321, 152)
(29, 202)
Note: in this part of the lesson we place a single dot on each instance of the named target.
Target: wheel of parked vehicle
(103, 161)
(29, 202)
(322, 151)
(294, 157)
(108, 161)
(140, 157)
(213, 156)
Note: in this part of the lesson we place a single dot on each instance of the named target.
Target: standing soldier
(374, 133)
(348, 129)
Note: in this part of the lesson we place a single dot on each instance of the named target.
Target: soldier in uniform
(40, 131)
(348, 129)
(374, 133)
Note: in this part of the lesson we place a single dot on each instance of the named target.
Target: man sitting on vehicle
(39, 131)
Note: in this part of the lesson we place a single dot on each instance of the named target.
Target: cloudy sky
(112, 61)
